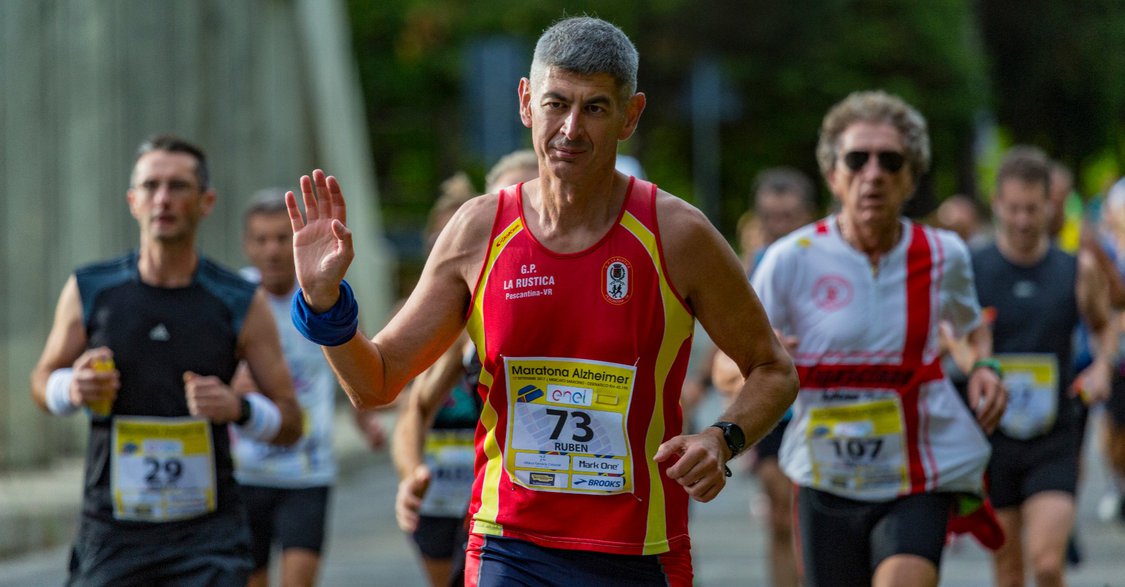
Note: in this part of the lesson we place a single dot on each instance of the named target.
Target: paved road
(366, 548)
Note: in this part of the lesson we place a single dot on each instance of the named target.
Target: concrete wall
(267, 87)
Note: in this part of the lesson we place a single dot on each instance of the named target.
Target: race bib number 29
(163, 468)
(567, 425)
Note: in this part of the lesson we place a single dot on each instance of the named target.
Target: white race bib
(567, 425)
(162, 468)
(1032, 381)
(449, 454)
(858, 446)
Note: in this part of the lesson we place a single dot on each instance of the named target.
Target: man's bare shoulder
(259, 325)
(463, 242)
(472, 223)
(680, 222)
(697, 255)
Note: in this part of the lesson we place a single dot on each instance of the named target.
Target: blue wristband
(331, 328)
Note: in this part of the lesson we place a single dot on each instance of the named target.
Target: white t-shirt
(311, 462)
(875, 417)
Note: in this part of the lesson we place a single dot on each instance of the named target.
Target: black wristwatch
(244, 413)
(733, 436)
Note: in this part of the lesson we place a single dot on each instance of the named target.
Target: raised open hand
(322, 243)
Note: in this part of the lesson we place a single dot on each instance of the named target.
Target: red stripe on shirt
(919, 278)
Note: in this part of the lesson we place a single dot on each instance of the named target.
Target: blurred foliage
(1054, 70)
(410, 61)
(790, 62)
(1057, 69)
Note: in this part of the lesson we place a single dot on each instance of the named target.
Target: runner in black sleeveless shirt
(148, 343)
(1038, 294)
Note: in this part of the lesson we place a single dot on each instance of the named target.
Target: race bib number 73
(567, 425)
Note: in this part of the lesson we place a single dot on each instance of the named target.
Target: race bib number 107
(858, 446)
(567, 425)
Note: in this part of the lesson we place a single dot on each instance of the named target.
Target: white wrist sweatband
(58, 392)
(265, 418)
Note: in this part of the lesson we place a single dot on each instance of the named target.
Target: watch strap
(245, 411)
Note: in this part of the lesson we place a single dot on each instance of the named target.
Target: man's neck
(1023, 256)
(280, 289)
(167, 265)
(569, 217)
(873, 240)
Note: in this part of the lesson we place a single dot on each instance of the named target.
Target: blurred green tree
(787, 62)
(792, 60)
(1057, 71)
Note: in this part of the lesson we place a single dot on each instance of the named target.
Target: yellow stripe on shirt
(678, 327)
(484, 521)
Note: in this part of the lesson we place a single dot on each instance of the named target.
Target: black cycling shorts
(843, 541)
(768, 447)
(294, 518)
(1021, 468)
(213, 551)
(440, 537)
(1115, 406)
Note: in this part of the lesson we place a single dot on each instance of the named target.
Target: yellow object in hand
(102, 407)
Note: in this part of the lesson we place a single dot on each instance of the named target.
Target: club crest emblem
(832, 292)
(617, 280)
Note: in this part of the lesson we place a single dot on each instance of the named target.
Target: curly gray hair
(875, 106)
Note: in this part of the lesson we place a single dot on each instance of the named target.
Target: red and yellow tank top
(584, 357)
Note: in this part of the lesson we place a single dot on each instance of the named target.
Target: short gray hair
(587, 46)
(1027, 164)
(266, 201)
(875, 106)
(785, 180)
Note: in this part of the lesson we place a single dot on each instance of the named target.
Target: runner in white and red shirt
(880, 444)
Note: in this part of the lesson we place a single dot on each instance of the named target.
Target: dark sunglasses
(890, 161)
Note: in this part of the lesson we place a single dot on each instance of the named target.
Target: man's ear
(633, 110)
(524, 94)
(130, 198)
(208, 202)
(913, 190)
(830, 181)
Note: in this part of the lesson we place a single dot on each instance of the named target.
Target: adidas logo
(159, 332)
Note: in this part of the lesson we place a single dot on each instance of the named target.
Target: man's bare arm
(373, 371)
(1113, 282)
(729, 310)
(66, 348)
(1094, 296)
(428, 393)
(986, 394)
(260, 347)
(706, 272)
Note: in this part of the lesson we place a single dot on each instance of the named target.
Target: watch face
(733, 436)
